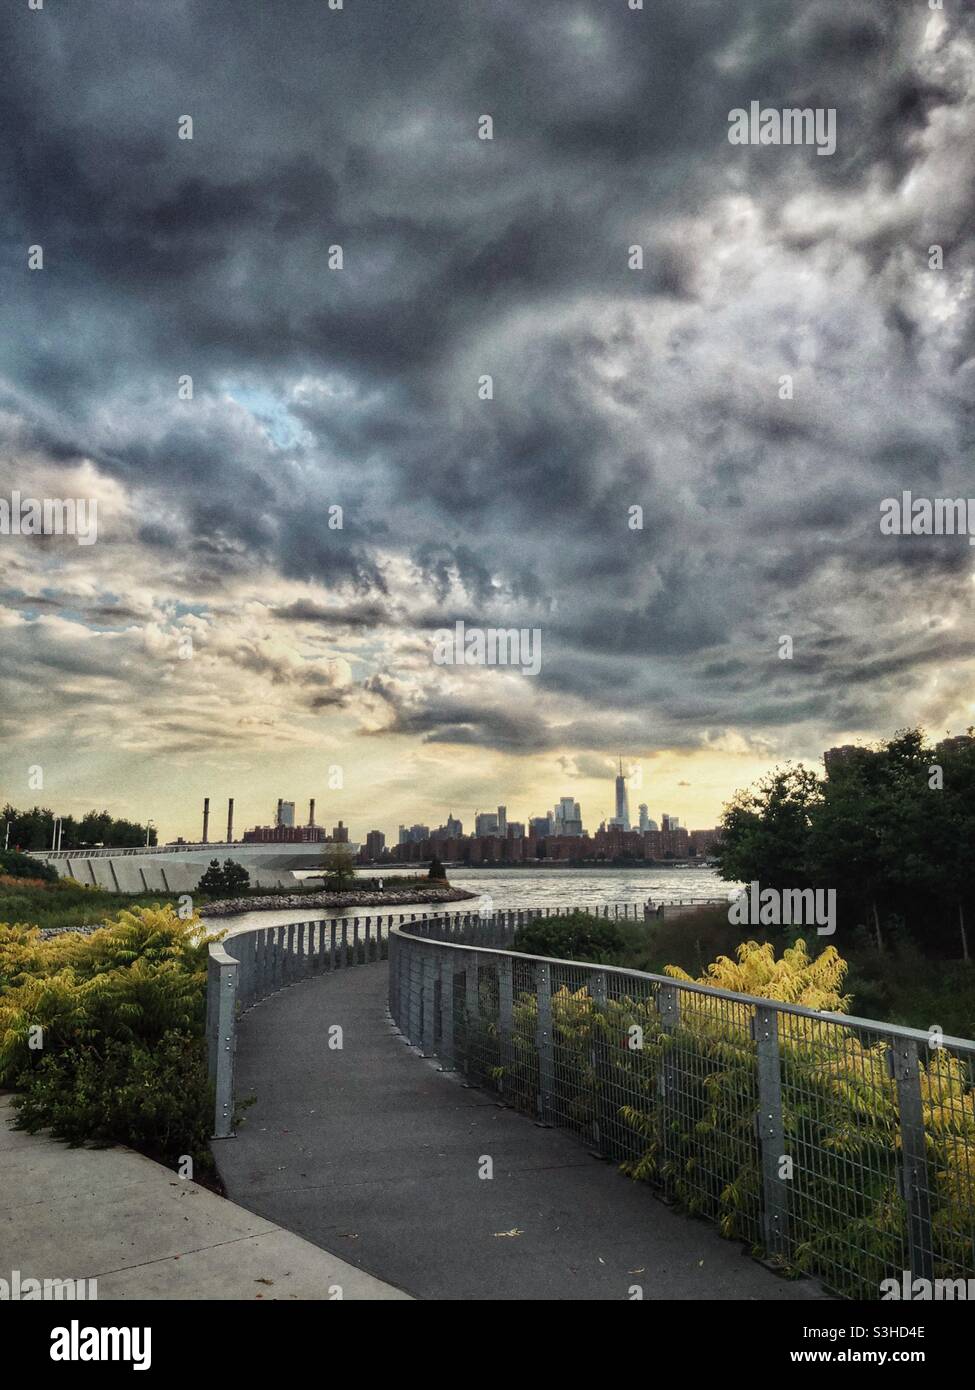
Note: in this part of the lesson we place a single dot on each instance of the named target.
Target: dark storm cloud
(612, 388)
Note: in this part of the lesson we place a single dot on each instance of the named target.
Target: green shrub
(120, 1018)
(22, 866)
(577, 936)
(155, 1098)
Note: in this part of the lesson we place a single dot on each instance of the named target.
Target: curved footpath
(373, 1153)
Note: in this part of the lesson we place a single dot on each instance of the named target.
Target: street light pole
(148, 824)
(56, 834)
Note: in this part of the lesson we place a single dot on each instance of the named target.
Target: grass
(66, 904)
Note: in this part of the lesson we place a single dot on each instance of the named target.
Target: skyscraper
(622, 817)
(567, 817)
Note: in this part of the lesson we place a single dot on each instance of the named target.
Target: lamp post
(56, 835)
(149, 824)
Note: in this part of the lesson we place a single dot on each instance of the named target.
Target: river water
(504, 889)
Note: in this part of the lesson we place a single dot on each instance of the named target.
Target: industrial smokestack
(311, 812)
(230, 821)
(280, 804)
(206, 818)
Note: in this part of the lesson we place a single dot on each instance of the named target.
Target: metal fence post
(903, 1063)
(415, 999)
(771, 1132)
(222, 1002)
(597, 1061)
(472, 1010)
(265, 963)
(279, 958)
(668, 1085)
(429, 975)
(445, 965)
(391, 1001)
(546, 1052)
(506, 1014)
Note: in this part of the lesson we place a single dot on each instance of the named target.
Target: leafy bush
(678, 1109)
(22, 866)
(577, 936)
(121, 1016)
(437, 870)
(155, 1097)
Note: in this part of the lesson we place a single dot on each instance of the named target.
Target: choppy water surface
(521, 888)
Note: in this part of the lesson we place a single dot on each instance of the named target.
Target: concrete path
(141, 1232)
(372, 1152)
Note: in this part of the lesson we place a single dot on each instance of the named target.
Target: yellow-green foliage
(679, 1109)
(792, 979)
(138, 977)
(119, 1016)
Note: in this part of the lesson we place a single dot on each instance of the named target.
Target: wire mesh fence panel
(843, 1148)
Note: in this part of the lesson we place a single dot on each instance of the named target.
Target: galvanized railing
(245, 968)
(837, 1146)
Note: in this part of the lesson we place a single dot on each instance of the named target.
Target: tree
(34, 829)
(765, 833)
(213, 881)
(341, 868)
(228, 881)
(236, 878)
(437, 870)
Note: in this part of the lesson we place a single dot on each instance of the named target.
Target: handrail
(252, 964)
(841, 1146)
(693, 987)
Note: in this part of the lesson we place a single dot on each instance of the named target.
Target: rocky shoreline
(389, 899)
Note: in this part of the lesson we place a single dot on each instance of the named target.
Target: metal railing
(248, 966)
(837, 1146)
(245, 968)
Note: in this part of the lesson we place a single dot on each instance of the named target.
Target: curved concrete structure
(178, 868)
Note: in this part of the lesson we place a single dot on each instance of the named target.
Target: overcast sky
(613, 388)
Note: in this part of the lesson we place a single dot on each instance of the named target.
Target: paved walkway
(141, 1232)
(373, 1153)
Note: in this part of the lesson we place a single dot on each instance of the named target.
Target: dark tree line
(34, 829)
(890, 828)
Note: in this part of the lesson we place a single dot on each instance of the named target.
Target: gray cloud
(613, 388)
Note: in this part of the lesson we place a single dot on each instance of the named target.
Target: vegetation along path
(374, 1154)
